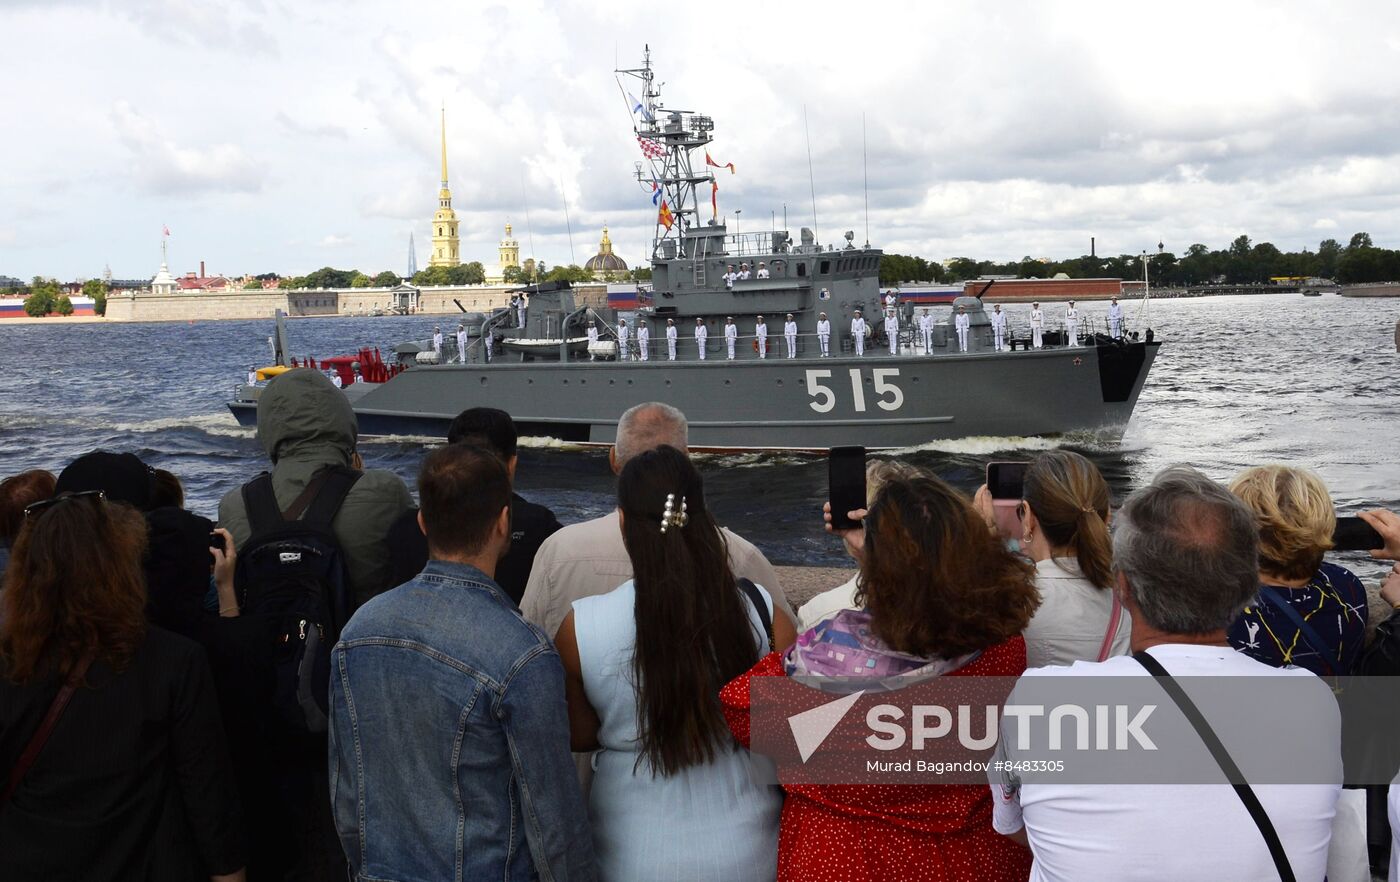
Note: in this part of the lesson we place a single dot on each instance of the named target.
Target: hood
(302, 416)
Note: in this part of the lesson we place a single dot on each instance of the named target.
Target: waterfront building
(164, 282)
(605, 265)
(446, 246)
(507, 257)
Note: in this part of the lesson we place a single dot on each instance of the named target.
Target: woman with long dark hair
(672, 797)
(941, 596)
(109, 727)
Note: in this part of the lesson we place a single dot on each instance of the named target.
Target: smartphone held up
(846, 485)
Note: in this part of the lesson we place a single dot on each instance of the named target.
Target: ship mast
(675, 133)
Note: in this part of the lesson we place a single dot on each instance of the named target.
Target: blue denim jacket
(449, 739)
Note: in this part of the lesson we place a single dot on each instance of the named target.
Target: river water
(1240, 381)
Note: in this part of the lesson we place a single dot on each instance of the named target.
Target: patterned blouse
(1333, 603)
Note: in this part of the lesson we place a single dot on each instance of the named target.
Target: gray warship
(557, 381)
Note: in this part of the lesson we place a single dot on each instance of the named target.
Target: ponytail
(1070, 500)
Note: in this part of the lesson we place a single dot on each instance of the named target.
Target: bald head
(647, 427)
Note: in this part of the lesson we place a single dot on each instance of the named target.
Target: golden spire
(444, 146)
(605, 246)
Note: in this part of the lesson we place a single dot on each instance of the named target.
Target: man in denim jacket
(449, 742)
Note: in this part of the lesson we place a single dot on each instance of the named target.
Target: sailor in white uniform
(252, 375)
(891, 299)
(926, 331)
(961, 323)
(1115, 320)
(729, 277)
(762, 270)
(892, 328)
(671, 339)
(1037, 324)
(858, 333)
(489, 339)
(592, 338)
(998, 328)
(624, 340)
(824, 335)
(335, 379)
(462, 342)
(731, 335)
(644, 340)
(1072, 324)
(760, 333)
(437, 343)
(520, 310)
(790, 336)
(702, 334)
(744, 271)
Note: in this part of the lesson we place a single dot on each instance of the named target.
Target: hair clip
(672, 518)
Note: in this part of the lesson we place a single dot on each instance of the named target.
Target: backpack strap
(756, 598)
(1224, 760)
(1273, 597)
(331, 486)
(260, 502)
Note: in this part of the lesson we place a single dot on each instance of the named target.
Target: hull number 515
(887, 395)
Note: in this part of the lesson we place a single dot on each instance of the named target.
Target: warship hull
(879, 401)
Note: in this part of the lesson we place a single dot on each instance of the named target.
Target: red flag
(650, 148)
(664, 216)
(714, 200)
(709, 161)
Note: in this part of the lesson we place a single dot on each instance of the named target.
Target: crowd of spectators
(476, 691)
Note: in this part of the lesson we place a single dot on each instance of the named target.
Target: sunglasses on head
(45, 504)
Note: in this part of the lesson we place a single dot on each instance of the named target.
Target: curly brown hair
(934, 579)
(74, 585)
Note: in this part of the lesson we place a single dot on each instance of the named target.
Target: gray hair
(1189, 551)
(648, 426)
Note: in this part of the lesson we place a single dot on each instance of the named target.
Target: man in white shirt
(1186, 563)
(1072, 324)
(488, 338)
(892, 328)
(624, 340)
(520, 309)
(762, 270)
(729, 277)
(702, 334)
(858, 333)
(744, 271)
(760, 333)
(824, 335)
(437, 344)
(644, 340)
(891, 299)
(790, 336)
(1037, 324)
(335, 379)
(998, 328)
(1115, 319)
(252, 376)
(926, 331)
(461, 343)
(671, 334)
(592, 338)
(731, 335)
(961, 324)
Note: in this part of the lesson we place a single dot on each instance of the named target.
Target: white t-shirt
(1196, 832)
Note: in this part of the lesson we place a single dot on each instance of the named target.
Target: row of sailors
(859, 331)
(730, 276)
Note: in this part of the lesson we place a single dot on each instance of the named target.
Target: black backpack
(291, 575)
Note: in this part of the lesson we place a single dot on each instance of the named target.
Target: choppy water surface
(1240, 381)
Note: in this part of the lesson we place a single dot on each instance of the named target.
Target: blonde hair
(879, 472)
(1295, 516)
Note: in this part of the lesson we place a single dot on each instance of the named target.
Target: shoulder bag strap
(756, 598)
(1113, 619)
(1274, 598)
(41, 736)
(1224, 760)
(324, 495)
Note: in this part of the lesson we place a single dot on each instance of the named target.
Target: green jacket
(305, 424)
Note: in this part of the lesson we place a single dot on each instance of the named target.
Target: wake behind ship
(569, 370)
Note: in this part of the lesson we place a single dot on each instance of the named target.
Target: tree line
(1243, 262)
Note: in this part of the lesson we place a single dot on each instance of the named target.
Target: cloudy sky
(285, 135)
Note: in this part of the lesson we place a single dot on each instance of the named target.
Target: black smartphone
(1006, 480)
(1354, 534)
(846, 483)
(216, 541)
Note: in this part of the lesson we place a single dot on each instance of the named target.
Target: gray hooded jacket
(305, 424)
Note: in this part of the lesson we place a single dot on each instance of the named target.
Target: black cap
(122, 476)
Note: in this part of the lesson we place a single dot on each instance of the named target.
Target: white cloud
(334, 240)
(993, 131)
